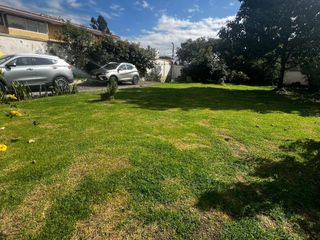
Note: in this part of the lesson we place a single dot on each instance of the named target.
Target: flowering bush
(14, 113)
(11, 97)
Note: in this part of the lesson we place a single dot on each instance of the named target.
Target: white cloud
(194, 9)
(74, 3)
(144, 5)
(117, 10)
(170, 29)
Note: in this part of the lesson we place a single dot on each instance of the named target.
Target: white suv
(119, 72)
(34, 70)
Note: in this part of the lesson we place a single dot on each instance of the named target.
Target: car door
(122, 72)
(20, 69)
(130, 71)
(43, 69)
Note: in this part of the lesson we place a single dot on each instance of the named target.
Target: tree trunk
(282, 72)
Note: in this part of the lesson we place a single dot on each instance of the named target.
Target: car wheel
(61, 85)
(135, 80)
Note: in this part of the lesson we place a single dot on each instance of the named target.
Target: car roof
(34, 55)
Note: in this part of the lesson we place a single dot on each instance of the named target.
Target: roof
(48, 19)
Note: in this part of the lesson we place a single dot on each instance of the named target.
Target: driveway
(92, 88)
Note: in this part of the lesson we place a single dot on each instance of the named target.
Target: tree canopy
(201, 60)
(110, 50)
(274, 32)
(100, 24)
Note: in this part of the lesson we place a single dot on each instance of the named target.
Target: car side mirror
(10, 65)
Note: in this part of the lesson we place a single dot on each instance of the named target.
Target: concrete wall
(168, 71)
(12, 45)
(176, 71)
(165, 69)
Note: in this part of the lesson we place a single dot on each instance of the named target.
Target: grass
(172, 161)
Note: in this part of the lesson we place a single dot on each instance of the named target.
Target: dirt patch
(103, 221)
(204, 123)
(267, 221)
(11, 168)
(189, 142)
(181, 145)
(211, 224)
(31, 214)
(93, 162)
(238, 149)
(51, 126)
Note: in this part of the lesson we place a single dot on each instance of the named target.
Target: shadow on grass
(292, 184)
(262, 101)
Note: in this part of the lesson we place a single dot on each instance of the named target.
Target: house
(26, 32)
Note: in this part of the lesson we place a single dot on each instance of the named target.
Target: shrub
(109, 94)
(154, 74)
(311, 68)
(20, 91)
(237, 77)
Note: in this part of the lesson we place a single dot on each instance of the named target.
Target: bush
(237, 77)
(311, 68)
(154, 74)
(112, 88)
(20, 91)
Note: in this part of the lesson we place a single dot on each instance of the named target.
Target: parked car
(35, 70)
(120, 72)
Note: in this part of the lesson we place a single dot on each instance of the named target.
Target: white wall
(176, 71)
(295, 76)
(168, 71)
(165, 69)
(12, 45)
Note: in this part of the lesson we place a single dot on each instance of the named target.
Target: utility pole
(172, 52)
(172, 61)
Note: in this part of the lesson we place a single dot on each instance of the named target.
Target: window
(122, 67)
(43, 61)
(26, 24)
(129, 67)
(5, 58)
(22, 61)
(111, 66)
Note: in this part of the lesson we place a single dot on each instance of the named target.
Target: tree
(100, 24)
(273, 31)
(110, 50)
(202, 62)
(190, 49)
(76, 45)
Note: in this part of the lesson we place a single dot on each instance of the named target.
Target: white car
(34, 70)
(120, 72)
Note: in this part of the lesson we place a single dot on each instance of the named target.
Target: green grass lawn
(172, 161)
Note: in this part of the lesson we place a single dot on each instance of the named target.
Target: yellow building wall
(54, 32)
(23, 33)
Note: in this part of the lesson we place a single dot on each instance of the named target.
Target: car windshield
(111, 66)
(5, 58)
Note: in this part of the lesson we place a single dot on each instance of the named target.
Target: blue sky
(150, 22)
